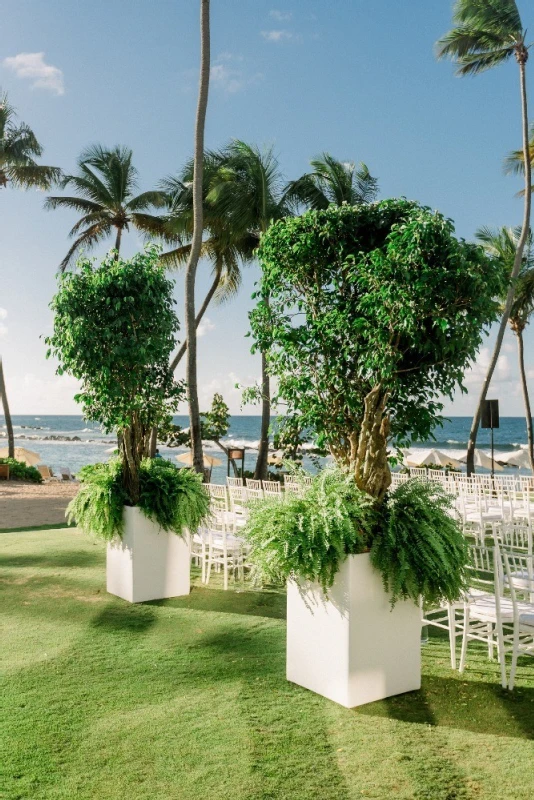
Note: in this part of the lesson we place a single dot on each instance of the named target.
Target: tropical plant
(7, 413)
(114, 329)
(172, 498)
(20, 471)
(226, 249)
(419, 546)
(514, 163)
(488, 34)
(309, 536)
(248, 192)
(105, 197)
(501, 245)
(19, 148)
(369, 315)
(196, 241)
(333, 181)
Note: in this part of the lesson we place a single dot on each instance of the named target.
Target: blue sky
(355, 78)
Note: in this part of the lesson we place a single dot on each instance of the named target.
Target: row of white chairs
(498, 608)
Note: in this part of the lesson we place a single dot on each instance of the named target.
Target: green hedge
(19, 471)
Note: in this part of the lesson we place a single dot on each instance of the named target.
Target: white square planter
(148, 563)
(351, 647)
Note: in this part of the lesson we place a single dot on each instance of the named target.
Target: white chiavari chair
(234, 481)
(272, 489)
(518, 570)
(418, 472)
(483, 605)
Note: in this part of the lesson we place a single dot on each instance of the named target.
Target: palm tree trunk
(526, 398)
(260, 473)
(207, 300)
(118, 243)
(7, 415)
(196, 244)
(515, 272)
(183, 347)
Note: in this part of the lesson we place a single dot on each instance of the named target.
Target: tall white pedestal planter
(351, 647)
(148, 563)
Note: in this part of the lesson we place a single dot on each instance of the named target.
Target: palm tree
(221, 246)
(488, 33)
(248, 192)
(196, 242)
(104, 185)
(18, 150)
(333, 181)
(7, 415)
(515, 162)
(502, 246)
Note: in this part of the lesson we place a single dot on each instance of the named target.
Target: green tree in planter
(114, 330)
(374, 313)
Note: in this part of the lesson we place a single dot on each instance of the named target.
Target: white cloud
(3, 328)
(34, 67)
(277, 36)
(205, 326)
(280, 16)
(229, 74)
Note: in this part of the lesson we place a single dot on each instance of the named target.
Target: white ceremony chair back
(482, 606)
(272, 488)
(254, 490)
(519, 579)
(234, 481)
(417, 472)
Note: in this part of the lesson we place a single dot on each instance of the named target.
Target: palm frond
(89, 239)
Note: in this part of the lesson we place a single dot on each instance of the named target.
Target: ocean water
(71, 441)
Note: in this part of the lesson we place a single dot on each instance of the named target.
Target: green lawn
(187, 699)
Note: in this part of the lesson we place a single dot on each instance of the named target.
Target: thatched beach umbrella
(28, 457)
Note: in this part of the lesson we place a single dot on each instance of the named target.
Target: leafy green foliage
(418, 547)
(105, 197)
(173, 498)
(381, 295)
(214, 424)
(19, 147)
(19, 471)
(98, 507)
(310, 536)
(114, 330)
(486, 34)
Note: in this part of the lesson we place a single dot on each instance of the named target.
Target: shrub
(310, 536)
(173, 498)
(19, 471)
(418, 547)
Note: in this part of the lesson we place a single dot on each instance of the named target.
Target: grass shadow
(64, 558)
(134, 618)
(270, 604)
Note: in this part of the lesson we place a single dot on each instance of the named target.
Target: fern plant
(419, 547)
(171, 497)
(97, 508)
(310, 536)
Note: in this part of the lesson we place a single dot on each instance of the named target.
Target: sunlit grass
(188, 699)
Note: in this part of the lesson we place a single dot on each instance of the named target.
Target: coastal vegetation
(487, 35)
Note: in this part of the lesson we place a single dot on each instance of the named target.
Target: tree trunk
(183, 347)
(526, 398)
(7, 414)
(207, 300)
(515, 272)
(260, 473)
(369, 455)
(118, 243)
(196, 244)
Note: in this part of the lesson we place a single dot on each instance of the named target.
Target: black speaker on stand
(490, 419)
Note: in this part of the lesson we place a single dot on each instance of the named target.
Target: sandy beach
(29, 505)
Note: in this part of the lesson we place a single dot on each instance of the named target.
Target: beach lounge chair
(46, 473)
(66, 474)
